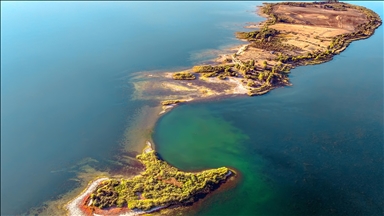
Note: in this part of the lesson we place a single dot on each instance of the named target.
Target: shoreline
(238, 88)
(73, 206)
(283, 43)
(84, 203)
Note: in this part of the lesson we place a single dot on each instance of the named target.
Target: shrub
(183, 76)
(174, 186)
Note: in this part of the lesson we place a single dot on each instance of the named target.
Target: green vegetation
(183, 76)
(263, 77)
(159, 185)
(267, 8)
(222, 77)
(338, 43)
(267, 38)
(211, 69)
(212, 74)
(335, 7)
(220, 71)
(276, 46)
(265, 64)
(205, 69)
(263, 81)
(264, 34)
(170, 102)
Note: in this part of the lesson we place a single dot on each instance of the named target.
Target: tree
(252, 62)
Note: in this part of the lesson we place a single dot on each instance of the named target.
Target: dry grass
(315, 16)
(309, 38)
(258, 55)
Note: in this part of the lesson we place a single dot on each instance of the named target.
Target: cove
(313, 148)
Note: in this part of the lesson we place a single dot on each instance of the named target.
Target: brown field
(315, 16)
(258, 55)
(309, 38)
(311, 28)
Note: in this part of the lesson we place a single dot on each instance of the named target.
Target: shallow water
(67, 68)
(313, 148)
(68, 108)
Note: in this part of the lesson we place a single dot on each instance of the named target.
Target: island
(293, 34)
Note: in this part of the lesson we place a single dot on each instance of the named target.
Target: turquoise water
(66, 82)
(315, 148)
(66, 102)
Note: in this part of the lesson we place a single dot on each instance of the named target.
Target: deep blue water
(66, 93)
(315, 148)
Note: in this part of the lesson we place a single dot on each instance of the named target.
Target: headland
(293, 35)
(158, 186)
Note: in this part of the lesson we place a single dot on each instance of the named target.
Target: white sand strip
(73, 206)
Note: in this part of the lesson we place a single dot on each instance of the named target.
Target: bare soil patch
(314, 15)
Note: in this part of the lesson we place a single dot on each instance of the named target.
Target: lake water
(313, 148)
(67, 106)
(67, 100)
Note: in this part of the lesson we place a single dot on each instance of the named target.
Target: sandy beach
(73, 206)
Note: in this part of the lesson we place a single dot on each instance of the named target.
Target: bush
(183, 76)
(173, 186)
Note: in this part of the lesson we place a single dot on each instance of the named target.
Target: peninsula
(293, 34)
(158, 186)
